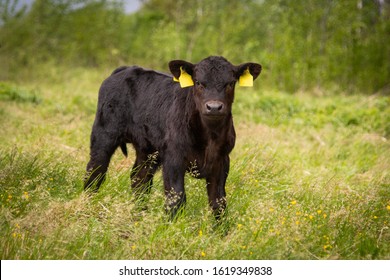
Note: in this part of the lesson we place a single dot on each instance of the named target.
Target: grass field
(310, 179)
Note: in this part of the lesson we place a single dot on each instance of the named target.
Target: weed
(9, 92)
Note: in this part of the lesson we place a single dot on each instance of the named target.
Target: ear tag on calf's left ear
(246, 79)
(185, 79)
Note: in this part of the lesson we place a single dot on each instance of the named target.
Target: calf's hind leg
(102, 148)
(142, 173)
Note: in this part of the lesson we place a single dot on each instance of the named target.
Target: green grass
(309, 180)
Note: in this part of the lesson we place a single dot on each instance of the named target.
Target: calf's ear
(247, 73)
(182, 72)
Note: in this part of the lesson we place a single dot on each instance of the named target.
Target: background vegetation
(310, 172)
(302, 44)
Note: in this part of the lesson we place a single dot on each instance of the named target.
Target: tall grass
(309, 179)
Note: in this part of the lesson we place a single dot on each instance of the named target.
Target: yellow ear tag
(185, 79)
(246, 79)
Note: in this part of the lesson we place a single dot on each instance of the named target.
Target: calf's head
(213, 81)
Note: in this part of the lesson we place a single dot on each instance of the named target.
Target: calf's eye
(230, 85)
(199, 85)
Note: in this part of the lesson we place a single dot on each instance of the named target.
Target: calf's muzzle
(215, 108)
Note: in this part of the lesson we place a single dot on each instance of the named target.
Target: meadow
(309, 179)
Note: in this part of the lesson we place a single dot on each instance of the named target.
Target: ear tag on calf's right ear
(246, 79)
(185, 79)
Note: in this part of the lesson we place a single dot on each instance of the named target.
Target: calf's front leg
(175, 196)
(216, 181)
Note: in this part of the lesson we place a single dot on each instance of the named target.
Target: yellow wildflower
(25, 195)
(293, 202)
(202, 254)
(388, 207)
(200, 232)
(319, 212)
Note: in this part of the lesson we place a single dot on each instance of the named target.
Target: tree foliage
(301, 44)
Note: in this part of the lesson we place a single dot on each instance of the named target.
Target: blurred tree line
(302, 44)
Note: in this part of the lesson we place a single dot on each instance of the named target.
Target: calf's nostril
(214, 107)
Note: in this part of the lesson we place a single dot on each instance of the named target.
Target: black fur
(182, 129)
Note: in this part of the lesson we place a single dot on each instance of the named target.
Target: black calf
(182, 126)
